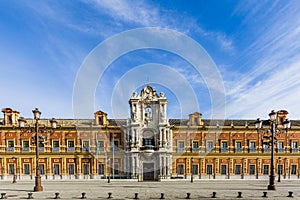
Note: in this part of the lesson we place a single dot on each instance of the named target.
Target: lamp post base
(271, 187)
(38, 188)
(15, 179)
(38, 185)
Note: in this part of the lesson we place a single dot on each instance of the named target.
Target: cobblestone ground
(200, 189)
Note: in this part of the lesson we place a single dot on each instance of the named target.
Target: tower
(148, 137)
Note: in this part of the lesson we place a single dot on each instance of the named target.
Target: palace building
(146, 147)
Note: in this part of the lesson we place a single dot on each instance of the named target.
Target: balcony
(194, 149)
(25, 149)
(224, 150)
(55, 149)
(238, 150)
(252, 150)
(294, 150)
(180, 149)
(210, 149)
(85, 149)
(148, 148)
(101, 149)
(70, 149)
(41, 149)
(280, 150)
(10, 149)
(266, 150)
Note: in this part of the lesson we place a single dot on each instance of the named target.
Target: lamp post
(286, 124)
(279, 169)
(14, 175)
(37, 114)
(192, 177)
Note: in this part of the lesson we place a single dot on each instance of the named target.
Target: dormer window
(100, 119)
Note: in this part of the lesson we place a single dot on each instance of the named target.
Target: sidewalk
(200, 189)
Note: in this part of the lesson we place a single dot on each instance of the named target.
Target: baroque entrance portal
(148, 172)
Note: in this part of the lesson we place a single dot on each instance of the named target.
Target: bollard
(136, 196)
(290, 194)
(162, 196)
(83, 195)
(214, 195)
(109, 195)
(3, 195)
(30, 195)
(188, 195)
(239, 195)
(57, 195)
(108, 179)
(265, 194)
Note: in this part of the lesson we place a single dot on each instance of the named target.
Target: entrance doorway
(148, 172)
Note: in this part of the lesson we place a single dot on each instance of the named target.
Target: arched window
(148, 113)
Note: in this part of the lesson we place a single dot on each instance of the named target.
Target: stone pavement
(121, 189)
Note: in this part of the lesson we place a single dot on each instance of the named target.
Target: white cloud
(273, 81)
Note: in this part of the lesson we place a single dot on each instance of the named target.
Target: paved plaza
(120, 189)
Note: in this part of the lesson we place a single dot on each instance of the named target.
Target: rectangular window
(26, 169)
(10, 143)
(11, 169)
(294, 145)
(148, 142)
(101, 145)
(180, 146)
(180, 169)
(86, 169)
(86, 144)
(71, 143)
(251, 169)
(252, 145)
(55, 143)
(71, 169)
(294, 169)
(42, 169)
(266, 169)
(209, 169)
(101, 169)
(25, 143)
(195, 169)
(223, 169)
(56, 169)
(195, 144)
(209, 146)
(224, 144)
(224, 147)
(237, 169)
(55, 146)
(238, 145)
(280, 145)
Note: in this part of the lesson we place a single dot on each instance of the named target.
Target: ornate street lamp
(37, 114)
(14, 175)
(279, 169)
(192, 177)
(272, 141)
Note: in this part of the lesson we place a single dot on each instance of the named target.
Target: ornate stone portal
(148, 137)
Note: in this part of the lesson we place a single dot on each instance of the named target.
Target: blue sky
(254, 44)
